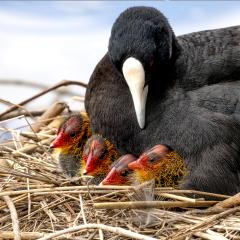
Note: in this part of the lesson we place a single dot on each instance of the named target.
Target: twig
(32, 84)
(109, 194)
(152, 204)
(21, 174)
(29, 148)
(26, 235)
(48, 211)
(60, 84)
(57, 202)
(4, 164)
(32, 136)
(22, 83)
(6, 102)
(29, 196)
(7, 146)
(20, 113)
(93, 187)
(100, 231)
(23, 235)
(228, 203)
(15, 200)
(116, 230)
(92, 235)
(82, 209)
(209, 222)
(53, 111)
(38, 136)
(209, 236)
(14, 217)
(211, 232)
(216, 195)
(78, 98)
(177, 197)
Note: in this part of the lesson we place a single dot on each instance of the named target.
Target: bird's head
(150, 163)
(98, 155)
(142, 46)
(120, 173)
(72, 133)
(161, 163)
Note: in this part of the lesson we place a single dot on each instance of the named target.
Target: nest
(37, 201)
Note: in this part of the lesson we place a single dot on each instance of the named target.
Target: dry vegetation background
(38, 202)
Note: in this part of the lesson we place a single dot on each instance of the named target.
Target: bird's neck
(167, 74)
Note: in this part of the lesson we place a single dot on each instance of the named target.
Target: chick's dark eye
(125, 173)
(73, 135)
(153, 159)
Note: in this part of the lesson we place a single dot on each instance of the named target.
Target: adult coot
(154, 88)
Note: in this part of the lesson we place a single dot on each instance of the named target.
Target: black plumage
(192, 101)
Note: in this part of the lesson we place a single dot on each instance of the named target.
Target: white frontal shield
(134, 75)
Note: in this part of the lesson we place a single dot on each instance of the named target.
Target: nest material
(39, 202)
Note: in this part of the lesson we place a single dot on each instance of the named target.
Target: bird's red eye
(151, 63)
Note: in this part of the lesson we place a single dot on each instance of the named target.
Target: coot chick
(98, 156)
(69, 142)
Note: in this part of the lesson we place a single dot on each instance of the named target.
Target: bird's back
(222, 98)
(209, 57)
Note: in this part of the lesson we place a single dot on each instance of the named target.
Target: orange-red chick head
(73, 133)
(98, 155)
(160, 163)
(120, 173)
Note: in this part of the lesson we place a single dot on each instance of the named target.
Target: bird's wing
(210, 56)
(222, 98)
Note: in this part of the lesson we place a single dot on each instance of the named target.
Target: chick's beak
(88, 166)
(57, 142)
(134, 165)
(134, 75)
(112, 178)
(138, 164)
